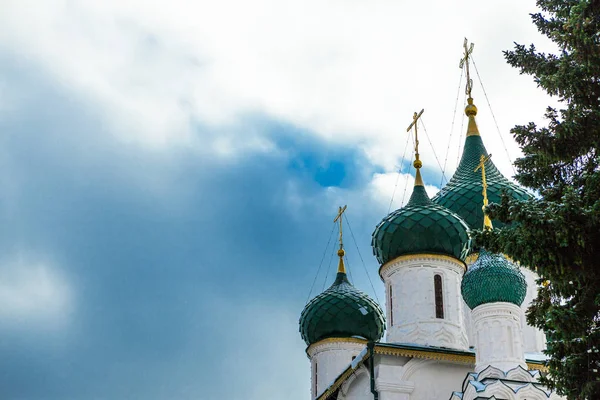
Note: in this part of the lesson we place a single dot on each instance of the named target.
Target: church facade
(454, 316)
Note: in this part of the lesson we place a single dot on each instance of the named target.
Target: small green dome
(463, 193)
(341, 311)
(492, 278)
(420, 227)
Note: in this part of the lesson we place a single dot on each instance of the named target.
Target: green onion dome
(492, 278)
(462, 194)
(421, 227)
(341, 311)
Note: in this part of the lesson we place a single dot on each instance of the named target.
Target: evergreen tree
(558, 233)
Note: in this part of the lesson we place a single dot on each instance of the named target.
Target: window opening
(391, 308)
(439, 296)
(316, 371)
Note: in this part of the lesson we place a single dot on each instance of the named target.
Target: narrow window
(391, 308)
(439, 296)
(315, 379)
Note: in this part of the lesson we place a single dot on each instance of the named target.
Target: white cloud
(34, 294)
(351, 71)
(394, 188)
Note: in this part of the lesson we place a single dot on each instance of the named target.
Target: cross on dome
(341, 252)
(417, 164)
(464, 62)
(487, 222)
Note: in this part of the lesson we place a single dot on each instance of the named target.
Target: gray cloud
(186, 273)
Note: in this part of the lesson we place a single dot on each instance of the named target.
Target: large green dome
(421, 227)
(462, 194)
(341, 311)
(492, 278)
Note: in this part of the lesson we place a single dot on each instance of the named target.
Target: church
(454, 318)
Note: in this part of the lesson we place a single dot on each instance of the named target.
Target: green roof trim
(492, 278)
(341, 311)
(462, 194)
(421, 227)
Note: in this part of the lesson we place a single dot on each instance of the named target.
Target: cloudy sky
(169, 172)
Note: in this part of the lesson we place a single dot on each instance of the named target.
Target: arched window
(391, 307)
(439, 296)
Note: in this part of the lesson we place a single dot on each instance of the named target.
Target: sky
(170, 171)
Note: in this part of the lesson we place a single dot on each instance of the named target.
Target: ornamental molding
(421, 260)
(413, 366)
(428, 355)
(434, 332)
(430, 322)
(440, 356)
(498, 389)
(395, 387)
(335, 344)
(445, 336)
(496, 309)
(346, 385)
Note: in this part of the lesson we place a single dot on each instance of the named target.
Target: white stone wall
(403, 378)
(411, 318)
(437, 380)
(534, 339)
(329, 358)
(400, 378)
(468, 324)
(498, 335)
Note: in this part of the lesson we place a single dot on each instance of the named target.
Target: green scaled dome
(341, 311)
(492, 278)
(421, 227)
(462, 194)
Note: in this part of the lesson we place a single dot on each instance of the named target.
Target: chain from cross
(338, 218)
(487, 222)
(414, 123)
(465, 61)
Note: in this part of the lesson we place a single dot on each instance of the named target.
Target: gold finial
(341, 252)
(417, 163)
(471, 112)
(470, 109)
(487, 222)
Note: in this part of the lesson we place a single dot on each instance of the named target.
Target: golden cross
(487, 222)
(338, 218)
(414, 123)
(465, 60)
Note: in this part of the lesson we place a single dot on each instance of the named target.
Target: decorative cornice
(537, 367)
(442, 356)
(496, 309)
(330, 341)
(424, 257)
(428, 355)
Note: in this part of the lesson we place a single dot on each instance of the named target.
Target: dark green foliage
(558, 233)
